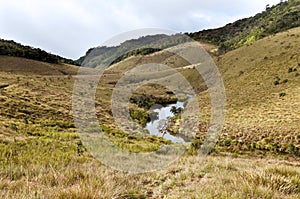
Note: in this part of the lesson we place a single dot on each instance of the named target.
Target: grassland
(257, 156)
(262, 88)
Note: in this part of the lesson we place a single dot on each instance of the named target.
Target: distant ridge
(12, 48)
(281, 17)
(105, 55)
(275, 19)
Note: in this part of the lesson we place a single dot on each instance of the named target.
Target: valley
(257, 153)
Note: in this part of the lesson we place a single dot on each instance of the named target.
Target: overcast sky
(70, 27)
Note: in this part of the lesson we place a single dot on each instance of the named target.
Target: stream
(163, 113)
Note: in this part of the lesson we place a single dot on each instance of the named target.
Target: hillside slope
(41, 153)
(265, 75)
(262, 84)
(23, 66)
(257, 154)
(12, 48)
(281, 17)
(108, 55)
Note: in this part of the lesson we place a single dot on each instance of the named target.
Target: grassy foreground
(55, 167)
(41, 156)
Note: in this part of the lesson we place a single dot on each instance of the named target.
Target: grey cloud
(70, 27)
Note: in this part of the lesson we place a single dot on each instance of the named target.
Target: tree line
(12, 48)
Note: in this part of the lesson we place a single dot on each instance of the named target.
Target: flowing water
(163, 113)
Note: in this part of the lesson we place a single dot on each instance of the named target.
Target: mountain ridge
(14, 49)
(275, 19)
(257, 155)
(278, 18)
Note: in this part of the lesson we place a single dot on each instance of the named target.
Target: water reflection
(159, 119)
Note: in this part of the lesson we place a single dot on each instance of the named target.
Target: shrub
(141, 117)
(226, 142)
(13, 127)
(282, 94)
(293, 150)
(276, 82)
(175, 110)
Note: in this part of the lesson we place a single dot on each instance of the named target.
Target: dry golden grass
(249, 74)
(257, 114)
(41, 155)
(213, 177)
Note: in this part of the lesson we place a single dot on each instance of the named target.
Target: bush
(276, 82)
(292, 70)
(141, 117)
(175, 110)
(293, 150)
(13, 127)
(282, 94)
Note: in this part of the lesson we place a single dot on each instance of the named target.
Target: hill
(281, 17)
(256, 156)
(278, 18)
(42, 155)
(12, 48)
(262, 88)
(23, 66)
(141, 46)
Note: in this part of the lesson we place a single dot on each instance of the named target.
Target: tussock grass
(41, 155)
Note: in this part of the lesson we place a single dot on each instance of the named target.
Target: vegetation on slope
(11, 48)
(262, 87)
(245, 31)
(41, 155)
(107, 56)
(275, 19)
(23, 66)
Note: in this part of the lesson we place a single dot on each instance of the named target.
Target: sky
(70, 27)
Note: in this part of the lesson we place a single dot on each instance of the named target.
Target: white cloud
(70, 27)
